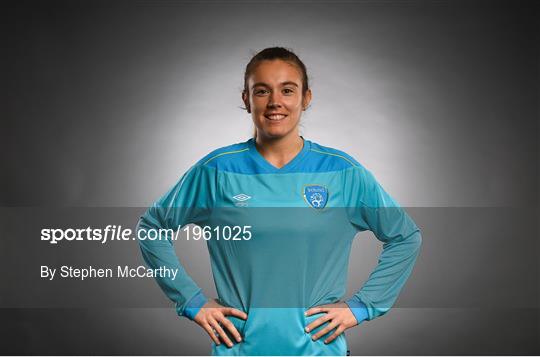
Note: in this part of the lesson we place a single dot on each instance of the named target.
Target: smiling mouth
(275, 117)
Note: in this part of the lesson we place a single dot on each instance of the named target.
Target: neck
(279, 151)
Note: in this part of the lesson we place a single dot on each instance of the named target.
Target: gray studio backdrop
(107, 104)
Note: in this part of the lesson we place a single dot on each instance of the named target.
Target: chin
(275, 134)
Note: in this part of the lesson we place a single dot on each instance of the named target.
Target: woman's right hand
(212, 316)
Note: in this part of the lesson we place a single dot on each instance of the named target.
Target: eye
(260, 91)
(288, 91)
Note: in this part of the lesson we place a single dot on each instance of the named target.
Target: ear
(306, 99)
(245, 99)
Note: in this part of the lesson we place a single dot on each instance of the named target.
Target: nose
(274, 100)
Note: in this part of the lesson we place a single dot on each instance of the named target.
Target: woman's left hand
(339, 315)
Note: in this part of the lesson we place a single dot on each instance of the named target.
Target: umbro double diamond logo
(241, 200)
(242, 197)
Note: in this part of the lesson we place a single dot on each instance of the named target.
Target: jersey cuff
(194, 305)
(358, 308)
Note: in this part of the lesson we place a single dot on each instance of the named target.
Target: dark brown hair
(275, 53)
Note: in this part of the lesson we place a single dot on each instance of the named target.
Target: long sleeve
(189, 201)
(371, 208)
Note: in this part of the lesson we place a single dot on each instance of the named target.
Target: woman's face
(275, 99)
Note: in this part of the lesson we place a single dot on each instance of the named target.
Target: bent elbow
(416, 240)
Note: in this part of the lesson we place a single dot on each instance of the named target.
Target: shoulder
(336, 154)
(353, 171)
(224, 155)
(332, 159)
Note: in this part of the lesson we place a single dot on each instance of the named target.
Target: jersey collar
(271, 168)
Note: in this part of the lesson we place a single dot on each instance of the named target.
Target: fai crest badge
(316, 196)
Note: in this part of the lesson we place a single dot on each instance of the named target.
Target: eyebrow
(262, 84)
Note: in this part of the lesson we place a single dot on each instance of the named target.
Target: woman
(297, 205)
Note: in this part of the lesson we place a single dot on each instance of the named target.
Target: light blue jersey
(291, 245)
